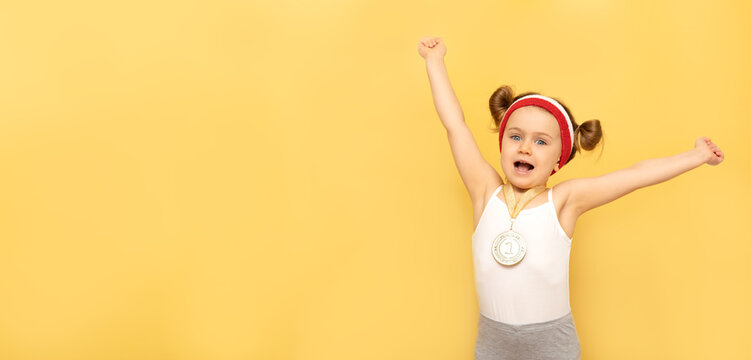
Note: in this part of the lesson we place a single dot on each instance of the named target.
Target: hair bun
(500, 101)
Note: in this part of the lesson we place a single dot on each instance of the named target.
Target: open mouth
(523, 167)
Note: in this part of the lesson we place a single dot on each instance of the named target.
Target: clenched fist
(431, 46)
(712, 152)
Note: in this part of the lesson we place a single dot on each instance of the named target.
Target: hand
(711, 151)
(431, 46)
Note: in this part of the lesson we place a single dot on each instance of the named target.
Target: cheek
(554, 151)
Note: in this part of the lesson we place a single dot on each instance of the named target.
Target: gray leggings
(550, 340)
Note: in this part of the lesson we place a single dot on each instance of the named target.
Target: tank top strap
(496, 190)
(550, 195)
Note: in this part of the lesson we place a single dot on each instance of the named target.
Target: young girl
(523, 230)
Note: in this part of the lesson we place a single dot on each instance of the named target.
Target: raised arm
(585, 194)
(475, 172)
(444, 99)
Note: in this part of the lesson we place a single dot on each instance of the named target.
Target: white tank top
(536, 288)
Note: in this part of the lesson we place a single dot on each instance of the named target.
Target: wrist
(700, 155)
(436, 58)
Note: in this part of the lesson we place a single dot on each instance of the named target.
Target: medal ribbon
(514, 207)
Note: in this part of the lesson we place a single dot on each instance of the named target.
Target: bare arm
(445, 101)
(475, 172)
(588, 193)
(653, 171)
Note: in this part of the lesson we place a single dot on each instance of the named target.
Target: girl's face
(532, 136)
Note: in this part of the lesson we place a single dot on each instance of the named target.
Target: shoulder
(480, 204)
(490, 186)
(565, 208)
(562, 195)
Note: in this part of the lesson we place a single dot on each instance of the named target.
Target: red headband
(553, 107)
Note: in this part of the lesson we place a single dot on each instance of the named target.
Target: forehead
(534, 119)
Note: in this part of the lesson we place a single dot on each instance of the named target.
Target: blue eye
(516, 136)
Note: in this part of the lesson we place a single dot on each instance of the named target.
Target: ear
(558, 165)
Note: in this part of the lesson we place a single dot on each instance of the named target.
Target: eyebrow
(537, 132)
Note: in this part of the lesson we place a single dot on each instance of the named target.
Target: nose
(525, 147)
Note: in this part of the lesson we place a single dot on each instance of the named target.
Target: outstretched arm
(588, 193)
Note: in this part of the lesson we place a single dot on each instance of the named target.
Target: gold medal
(510, 247)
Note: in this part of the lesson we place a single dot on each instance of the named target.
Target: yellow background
(270, 180)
